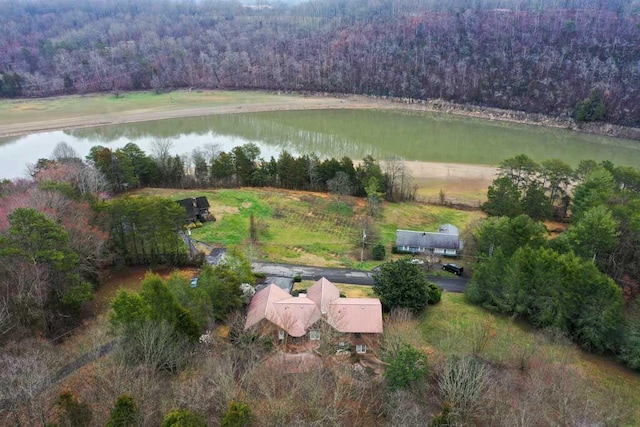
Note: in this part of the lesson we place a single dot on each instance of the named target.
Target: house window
(314, 335)
(281, 335)
(361, 348)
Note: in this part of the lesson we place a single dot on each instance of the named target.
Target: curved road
(343, 275)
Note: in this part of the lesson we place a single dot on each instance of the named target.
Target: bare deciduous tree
(400, 185)
(462, 383)
(90, 180)
(63, 152)
(154, 344)
(340, 184)
(26, 373)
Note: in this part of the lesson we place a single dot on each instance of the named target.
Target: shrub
(183, 418)
(73, 412)
(297, 278)
(434, 293)
(379, 252)
(238, 415)
(124, 413)
(443, 418)
(405, 367)
(591, 108)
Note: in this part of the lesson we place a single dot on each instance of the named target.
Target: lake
(411, 135)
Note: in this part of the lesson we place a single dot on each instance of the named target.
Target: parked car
(453, 268)
(416, 261)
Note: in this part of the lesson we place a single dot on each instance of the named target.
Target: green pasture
(307, 228)
(65, 107)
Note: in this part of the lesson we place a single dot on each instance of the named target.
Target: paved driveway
(344, 275)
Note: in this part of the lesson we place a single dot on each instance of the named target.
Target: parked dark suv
(453, 268)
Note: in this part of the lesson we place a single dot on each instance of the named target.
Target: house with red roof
(357, 320)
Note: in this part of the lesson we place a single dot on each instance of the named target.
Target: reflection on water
(260, 128)
(336, 133)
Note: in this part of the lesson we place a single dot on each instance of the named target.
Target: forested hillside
(569, 58)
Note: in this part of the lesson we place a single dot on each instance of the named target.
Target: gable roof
(296, 315)
(322, 293)
(356, 315)
(189, 207)
(202, 202)
(194, 206)
(262, 304)
(420, 239)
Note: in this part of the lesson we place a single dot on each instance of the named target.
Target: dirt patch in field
(451, 171)
(220, 211)
(129, 279)
(459, 183)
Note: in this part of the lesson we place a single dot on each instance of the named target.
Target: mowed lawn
(65, 107)
(307, 228)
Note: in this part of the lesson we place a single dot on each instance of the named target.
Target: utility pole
(364, 236)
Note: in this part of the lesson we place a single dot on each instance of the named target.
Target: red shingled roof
(356, 315)
(296, 315)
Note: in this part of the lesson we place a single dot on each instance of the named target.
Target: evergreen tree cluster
(579, 281)
(130, 167)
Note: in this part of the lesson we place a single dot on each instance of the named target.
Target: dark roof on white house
(195, 206)
(448, 229)
(422, 239)
(202, 202)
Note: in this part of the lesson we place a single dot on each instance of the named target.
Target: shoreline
(313, 101)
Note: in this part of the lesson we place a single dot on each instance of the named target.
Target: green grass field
(307, 228)
(349, 291)
(455, 327)
(48, 109)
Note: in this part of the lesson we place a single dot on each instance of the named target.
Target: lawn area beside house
(349, 291)
(306, 228)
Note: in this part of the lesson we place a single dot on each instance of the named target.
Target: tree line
(567, 58)
(584, 281)
(130, 167)
(599, 200)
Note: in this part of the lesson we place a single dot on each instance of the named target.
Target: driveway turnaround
(344, 275)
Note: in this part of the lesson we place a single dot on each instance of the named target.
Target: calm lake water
(336, 133)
